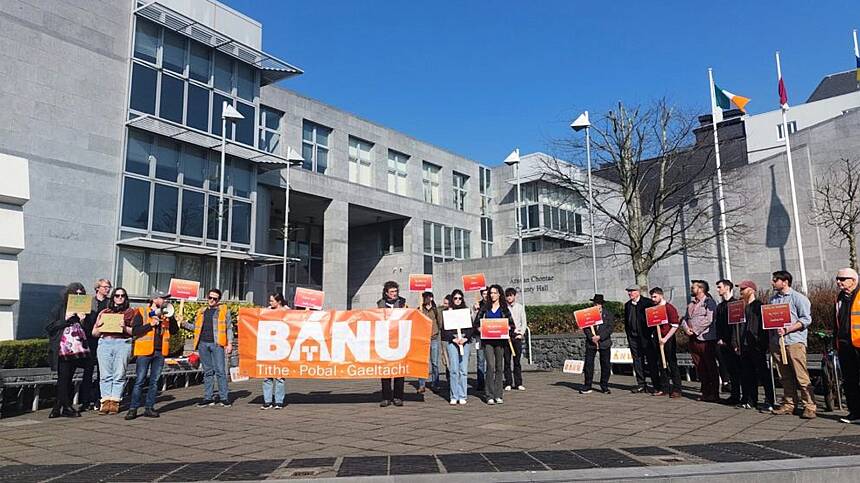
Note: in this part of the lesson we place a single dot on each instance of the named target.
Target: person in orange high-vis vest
(847, 337)
(151, 332)
(213, 341)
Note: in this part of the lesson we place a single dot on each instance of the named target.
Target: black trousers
(644, 352)
(670, 379)
(95, 387)
(849, 362)
(65, 386)
(515, 379)
(730, 363)
(605, 367)
(754, 371)
(387, 394)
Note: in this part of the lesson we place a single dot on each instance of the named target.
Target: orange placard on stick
(656, 315)
(184, 289)
(736, 312)
(588, 317)
(775, 316)
(420, 282)
(311, 299)
(473, 283)
(351, 344)
(494, 329)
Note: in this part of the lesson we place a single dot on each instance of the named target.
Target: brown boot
(784, 409)
(808, 413)
(114, 407)
(104, 407)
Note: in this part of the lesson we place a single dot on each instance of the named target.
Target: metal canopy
(180, 247)
(272, 68)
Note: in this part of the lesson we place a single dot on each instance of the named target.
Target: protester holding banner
(598, 339)
(457, 349)
(391, 299)
(100, 302)
(792, 370)
(640, 339)
(847, 338)
(753, 351)
(480, 360)
(68, 350)
(276, 400)
(494, 349)
(115, 344)
(213, 340)
(698, 323)
(151, 331)
(518, 312)
(429, 309)
(671, 376)
(726, 355)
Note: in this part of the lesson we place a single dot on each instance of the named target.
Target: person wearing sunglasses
(100, 302)
(115, 347)
(847, 339)
(213, 340)
(458, 363)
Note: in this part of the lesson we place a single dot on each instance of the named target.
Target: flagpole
(797, 235)
(721, 200)
(856, 58)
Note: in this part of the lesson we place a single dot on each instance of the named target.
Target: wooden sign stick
(511, 345)
(460, 336)
(782, 349)
(662, 350)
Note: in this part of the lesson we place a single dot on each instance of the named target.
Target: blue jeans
(434, 365)
(214, 366)
(458, 367)
(481, 366)
(113, 360)
(153, 364)
(280, 390)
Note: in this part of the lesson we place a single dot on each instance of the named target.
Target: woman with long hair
(276, 400)
(114, 349)
(494, 349)
(68, 351)
(458, 363)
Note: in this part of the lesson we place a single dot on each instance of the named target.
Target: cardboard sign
(474, 283)
(112, 323)
(494, 329)
(736, 312)
(573, 366)
(79, 304)
(457, 319)
(183, 289)
(656, 315)
(775, 316)
(588, 317)
(351, 344)
(312, 299)
(620, 356)
(420, 283)
(237, 375)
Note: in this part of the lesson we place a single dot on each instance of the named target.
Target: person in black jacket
(642, 343)
(458, 364)
(391, 299)
(598, 339)
(727, 356)
(754, 345)
(68, 328)
(494, 349)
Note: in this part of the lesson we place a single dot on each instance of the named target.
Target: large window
(430, 178)
(397, 173)
(444, 243)
(486, 236)
(484, 175)
(391, 237)
(306, 244)
(315, 146)
(359, 161)
(459, 184)
(270, 129)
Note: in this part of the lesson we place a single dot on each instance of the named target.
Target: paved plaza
(336, 428)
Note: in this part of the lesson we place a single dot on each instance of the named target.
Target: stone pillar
(335, 254)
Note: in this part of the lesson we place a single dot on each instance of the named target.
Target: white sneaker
(453, 402)
(462, 401)
(491, 401)
(500, 401)
(521, 388)
(507, 388)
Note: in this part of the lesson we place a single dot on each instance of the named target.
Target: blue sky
(482, 77)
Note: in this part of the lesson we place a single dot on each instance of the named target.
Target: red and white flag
(783, 94)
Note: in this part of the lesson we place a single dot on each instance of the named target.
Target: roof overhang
(191, 249)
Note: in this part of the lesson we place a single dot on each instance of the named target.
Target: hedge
(558, 319)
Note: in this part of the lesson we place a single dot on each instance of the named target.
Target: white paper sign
(457, 319)
(573, 366)
(235, 376)
(621, 356)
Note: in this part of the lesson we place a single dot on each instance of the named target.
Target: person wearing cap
(640, 339)
(598, 339)
(847, 339)
(753, 348)
(698, 324)
(670, 375)
(213, 340)
(151, 332)
(432, 312)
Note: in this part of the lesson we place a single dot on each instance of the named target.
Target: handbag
(73, 342)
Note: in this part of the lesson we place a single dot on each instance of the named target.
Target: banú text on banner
(353, 344)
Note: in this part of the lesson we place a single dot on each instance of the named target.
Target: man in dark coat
(598, 339)
(391, 299)
(641, 341)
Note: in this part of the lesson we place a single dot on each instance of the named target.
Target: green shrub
(20, 354)
(559, 319)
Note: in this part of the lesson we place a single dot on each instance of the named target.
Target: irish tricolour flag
(725, 99)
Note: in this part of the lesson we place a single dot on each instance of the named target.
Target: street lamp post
(513, 159)
(227, 112)
(580, 123)
(293, 159)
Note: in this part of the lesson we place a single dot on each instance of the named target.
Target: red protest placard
(588, 317)
(312, 299)
(473, 283)
(736, 312)
(656, 315)
(183, 289)
(775, 316)
(420, 283)
(494, 328)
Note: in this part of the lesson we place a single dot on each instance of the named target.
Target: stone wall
(550, 351)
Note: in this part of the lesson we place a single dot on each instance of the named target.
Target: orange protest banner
(473, 283)
(736, 312)
(420, 283)
(588, 317)
(312, 299)
(656, 315)
(183, 289)
(775, 316)
(351, 344)
(494, 329)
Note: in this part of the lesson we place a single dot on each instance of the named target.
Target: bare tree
(654, 191)
(836, 204)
